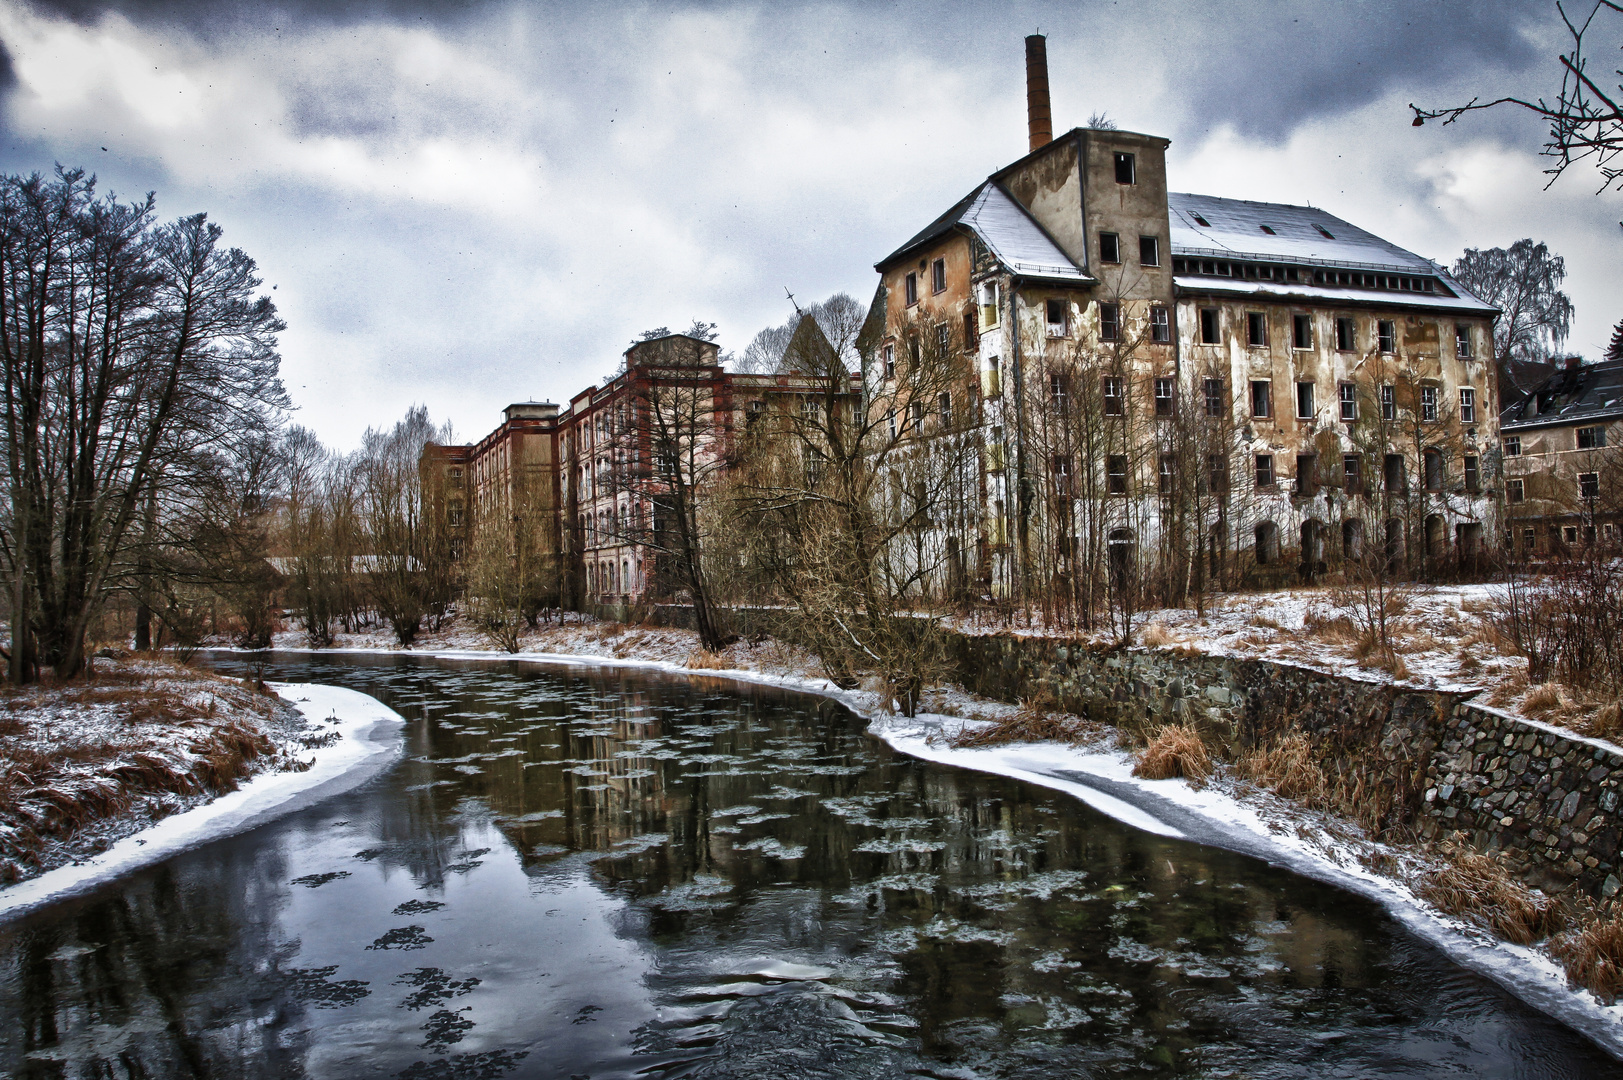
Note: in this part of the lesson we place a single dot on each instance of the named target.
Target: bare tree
(1524, 282)
(409, 561)
(1586, 115)
(126, 346)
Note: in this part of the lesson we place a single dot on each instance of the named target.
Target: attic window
(1202, 222)
(1326, 233)
(1269, 229)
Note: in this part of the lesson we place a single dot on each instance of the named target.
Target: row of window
(1589, 438)
(1394, 473)
(1588, 487)
(1215, 399)
(1274, 272)
(1346, 328)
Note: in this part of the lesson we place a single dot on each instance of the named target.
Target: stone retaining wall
(1428, 759)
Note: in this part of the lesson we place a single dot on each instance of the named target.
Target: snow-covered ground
(366, 739)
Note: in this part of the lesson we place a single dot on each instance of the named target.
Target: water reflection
(613, 875)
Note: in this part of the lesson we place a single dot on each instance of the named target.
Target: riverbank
(151, 759)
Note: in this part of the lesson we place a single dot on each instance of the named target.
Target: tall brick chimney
(1038, 116)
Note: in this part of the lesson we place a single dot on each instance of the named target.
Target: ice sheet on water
(735, 811)
(883, 846)
(756, 819)
(772, 848)
(706, 892)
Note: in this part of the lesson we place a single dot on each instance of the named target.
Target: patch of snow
(368, 740)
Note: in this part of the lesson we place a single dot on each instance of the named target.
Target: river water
(599, 873)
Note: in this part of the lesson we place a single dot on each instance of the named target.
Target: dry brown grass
(1337, 630)
(1033, 721)
(1545, 698)
(1369, 653)
(705, 660)
(1155, 634)
(1607, 723)
(1175, 751)
(1287, 768)
(1478, 888)
(1592, 953)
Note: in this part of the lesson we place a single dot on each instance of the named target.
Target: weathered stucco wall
(1430, 759)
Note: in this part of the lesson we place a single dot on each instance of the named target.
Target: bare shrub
(1287, 768)
(1568, 621)
(1478, 888)
(1175, 751)
(1592, 953)
(1033, 721)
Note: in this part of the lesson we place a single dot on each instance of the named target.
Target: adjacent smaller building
(1563, 453)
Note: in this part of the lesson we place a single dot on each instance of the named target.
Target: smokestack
(1038, 117)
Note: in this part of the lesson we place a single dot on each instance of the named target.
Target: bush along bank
(1520, 821)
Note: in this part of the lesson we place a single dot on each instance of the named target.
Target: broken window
(1589, 485)
(1346, 338)
(1589, 438)
(1262, 399)
(1432, 460)
(1163, 397)
(1265, 470)
(890, 361)
(1217, 473)
(1462, 341)
(1202, 222)
(1301, 331)
(943, 340)
(989, 305)
(1160, 325)
(915, 414)
(1349, 402)
(1352, 474)
(945, 404)
(1256, 328)
(1516, 490)
(1115, 395)
(911, 288)
(1057, 392)
(1428, 403)
(938, 276)
(1307, 477)
(1149, 251)
(1126, 172)
(1058, 318)
(1467, 405)
(1473, 473)
(1212, 390)
(1513, 446)
(1389, 402)
(1062, 474)
(1208, 326)
(1386, 334)
(1109, 322)
(1393, 474)
(1304, 401)
(1163, 475)
(1269, 229)
(1109, 247)
(1267, 537)
(890, 421)
(1116, 474)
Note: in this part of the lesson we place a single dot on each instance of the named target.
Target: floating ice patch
(756, 819)
(773, 849)
(735, 811)
(790, 972)
(881, 846)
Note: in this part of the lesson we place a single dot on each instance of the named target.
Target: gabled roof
(1008, 231)
(1584, 393)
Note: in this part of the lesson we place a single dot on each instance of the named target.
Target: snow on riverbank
(367, 739)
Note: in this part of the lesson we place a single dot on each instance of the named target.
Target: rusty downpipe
(1039, 117)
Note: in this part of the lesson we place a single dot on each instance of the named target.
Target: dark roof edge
(1559, 421)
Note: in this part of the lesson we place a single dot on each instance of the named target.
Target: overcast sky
(469, 204)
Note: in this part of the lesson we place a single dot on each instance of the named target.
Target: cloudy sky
(467, 204)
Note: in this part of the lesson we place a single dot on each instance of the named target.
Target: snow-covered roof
(1584, 393)
(1464, 304)
(1008, 231)
(1239, 228)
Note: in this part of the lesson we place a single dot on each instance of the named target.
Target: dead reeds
(1175, 751)
(1033, 721)
(1287, 768)
(1592, 953)
(705, 660)
(1480, 889)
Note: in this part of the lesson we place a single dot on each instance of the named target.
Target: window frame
(1301, 331)
(1263, 474)
(1115, 477)
(910, 288)
(1115, 383)
(1212, 393)
(990, 304)
(1166, 403)
(1429, 404)
(938, 276)
(1126, 164)
(1463, 348)
(1588, 485)
(1109, 321)
(1347, 400)
(1062, 328)
(1347, 342)
(1216, 336)
(1305, 397)
(1513, 446)
(1266, 400)
(1160, 324)
(890, 360)
(1515, 490)
(1386, 336)
(1151, 244)
(1110, 248)
(1352, 474)
(1467, 404)
(1471, 467)
(1256, 329)
(1596, 434)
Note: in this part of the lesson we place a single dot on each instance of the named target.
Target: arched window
(1267, 543)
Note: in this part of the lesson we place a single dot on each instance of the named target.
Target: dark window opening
(1346, 338)
(1262, 399)
(1149, 251)
(1473, 471)
(1208, 326)
(1267, 538)
(938, 276)
(1115, 397)
(1393, 474)
(1202, 222)
(1389, 403)
(1265, 470)
(1513, 446)
(911, 288)
(1589, 485)
(1058, 317)
(1304, 401)
(1589, 438)
(1307, 479)
(1163, 476)
(1256, 328)
(1217, 473)
(1126, 171)
(1301, 331)
(1116, 474)
(1386, 333)
(1462, 341)
(1160, 325)
(1109, 247)
(1516, 490)
(1352, 474)
(1326, 233)
(1433, 463)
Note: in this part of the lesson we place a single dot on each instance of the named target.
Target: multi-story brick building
(1254, 389)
